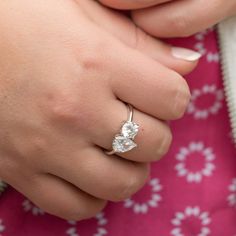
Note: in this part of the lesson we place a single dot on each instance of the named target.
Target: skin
(175, 18)
(64, 79)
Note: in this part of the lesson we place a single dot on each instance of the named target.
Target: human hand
(64, 80)
(176, 18)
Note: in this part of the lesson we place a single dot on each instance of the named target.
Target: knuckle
(90, 61)
(73, 108)
(182, 97)
(165, 143)
(62, 106)
(65, 108)
(132, 184)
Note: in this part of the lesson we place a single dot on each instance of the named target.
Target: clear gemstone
(129, 129)
(123, 144)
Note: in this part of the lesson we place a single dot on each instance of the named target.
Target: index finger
(132, 4)
(148, 85)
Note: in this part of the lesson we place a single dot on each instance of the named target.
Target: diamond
(129, 129)
(123, 144)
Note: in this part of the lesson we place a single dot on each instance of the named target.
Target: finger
(106, 177)
(147, 85)
(133, 4)
(126, 31)
(153, 139)
(61, 198)
(183, 17)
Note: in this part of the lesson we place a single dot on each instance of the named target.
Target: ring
(123, 141)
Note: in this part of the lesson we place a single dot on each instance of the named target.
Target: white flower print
(232, 196)
(100, 230)
(2, 227)
(213, 57)
(28, 206)
(193, 213)
(204, 113)
(199, 149)
(201, 48)
(152, 202)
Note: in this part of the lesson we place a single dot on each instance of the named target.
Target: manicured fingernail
(185, 54)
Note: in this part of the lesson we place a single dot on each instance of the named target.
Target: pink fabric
(192, 191)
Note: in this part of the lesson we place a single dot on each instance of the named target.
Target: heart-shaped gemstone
(123, 144)
(129, 129)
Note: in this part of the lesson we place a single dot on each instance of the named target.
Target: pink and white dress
(191, 192)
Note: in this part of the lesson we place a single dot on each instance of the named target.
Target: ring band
(123, 141)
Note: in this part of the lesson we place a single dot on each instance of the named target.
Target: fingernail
(185, 54)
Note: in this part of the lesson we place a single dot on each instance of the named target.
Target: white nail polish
(185, 54)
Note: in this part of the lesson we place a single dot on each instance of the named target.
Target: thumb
(182, 18)
(181, 60)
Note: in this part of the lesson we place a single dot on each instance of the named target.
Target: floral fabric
(191, 192)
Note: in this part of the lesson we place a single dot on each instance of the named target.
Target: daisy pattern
(100, 230)
(213, 57)
(199, 149)
(204, 113)
(28, 206)
(232, 196)
(2, 227)
(201, 48)
(152, 202)
(193, 214)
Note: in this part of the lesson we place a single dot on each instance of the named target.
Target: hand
(64, 78)
(176, 18)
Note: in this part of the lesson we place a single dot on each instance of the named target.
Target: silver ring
(124, 140)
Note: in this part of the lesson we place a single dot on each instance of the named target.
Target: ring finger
(153, 139)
